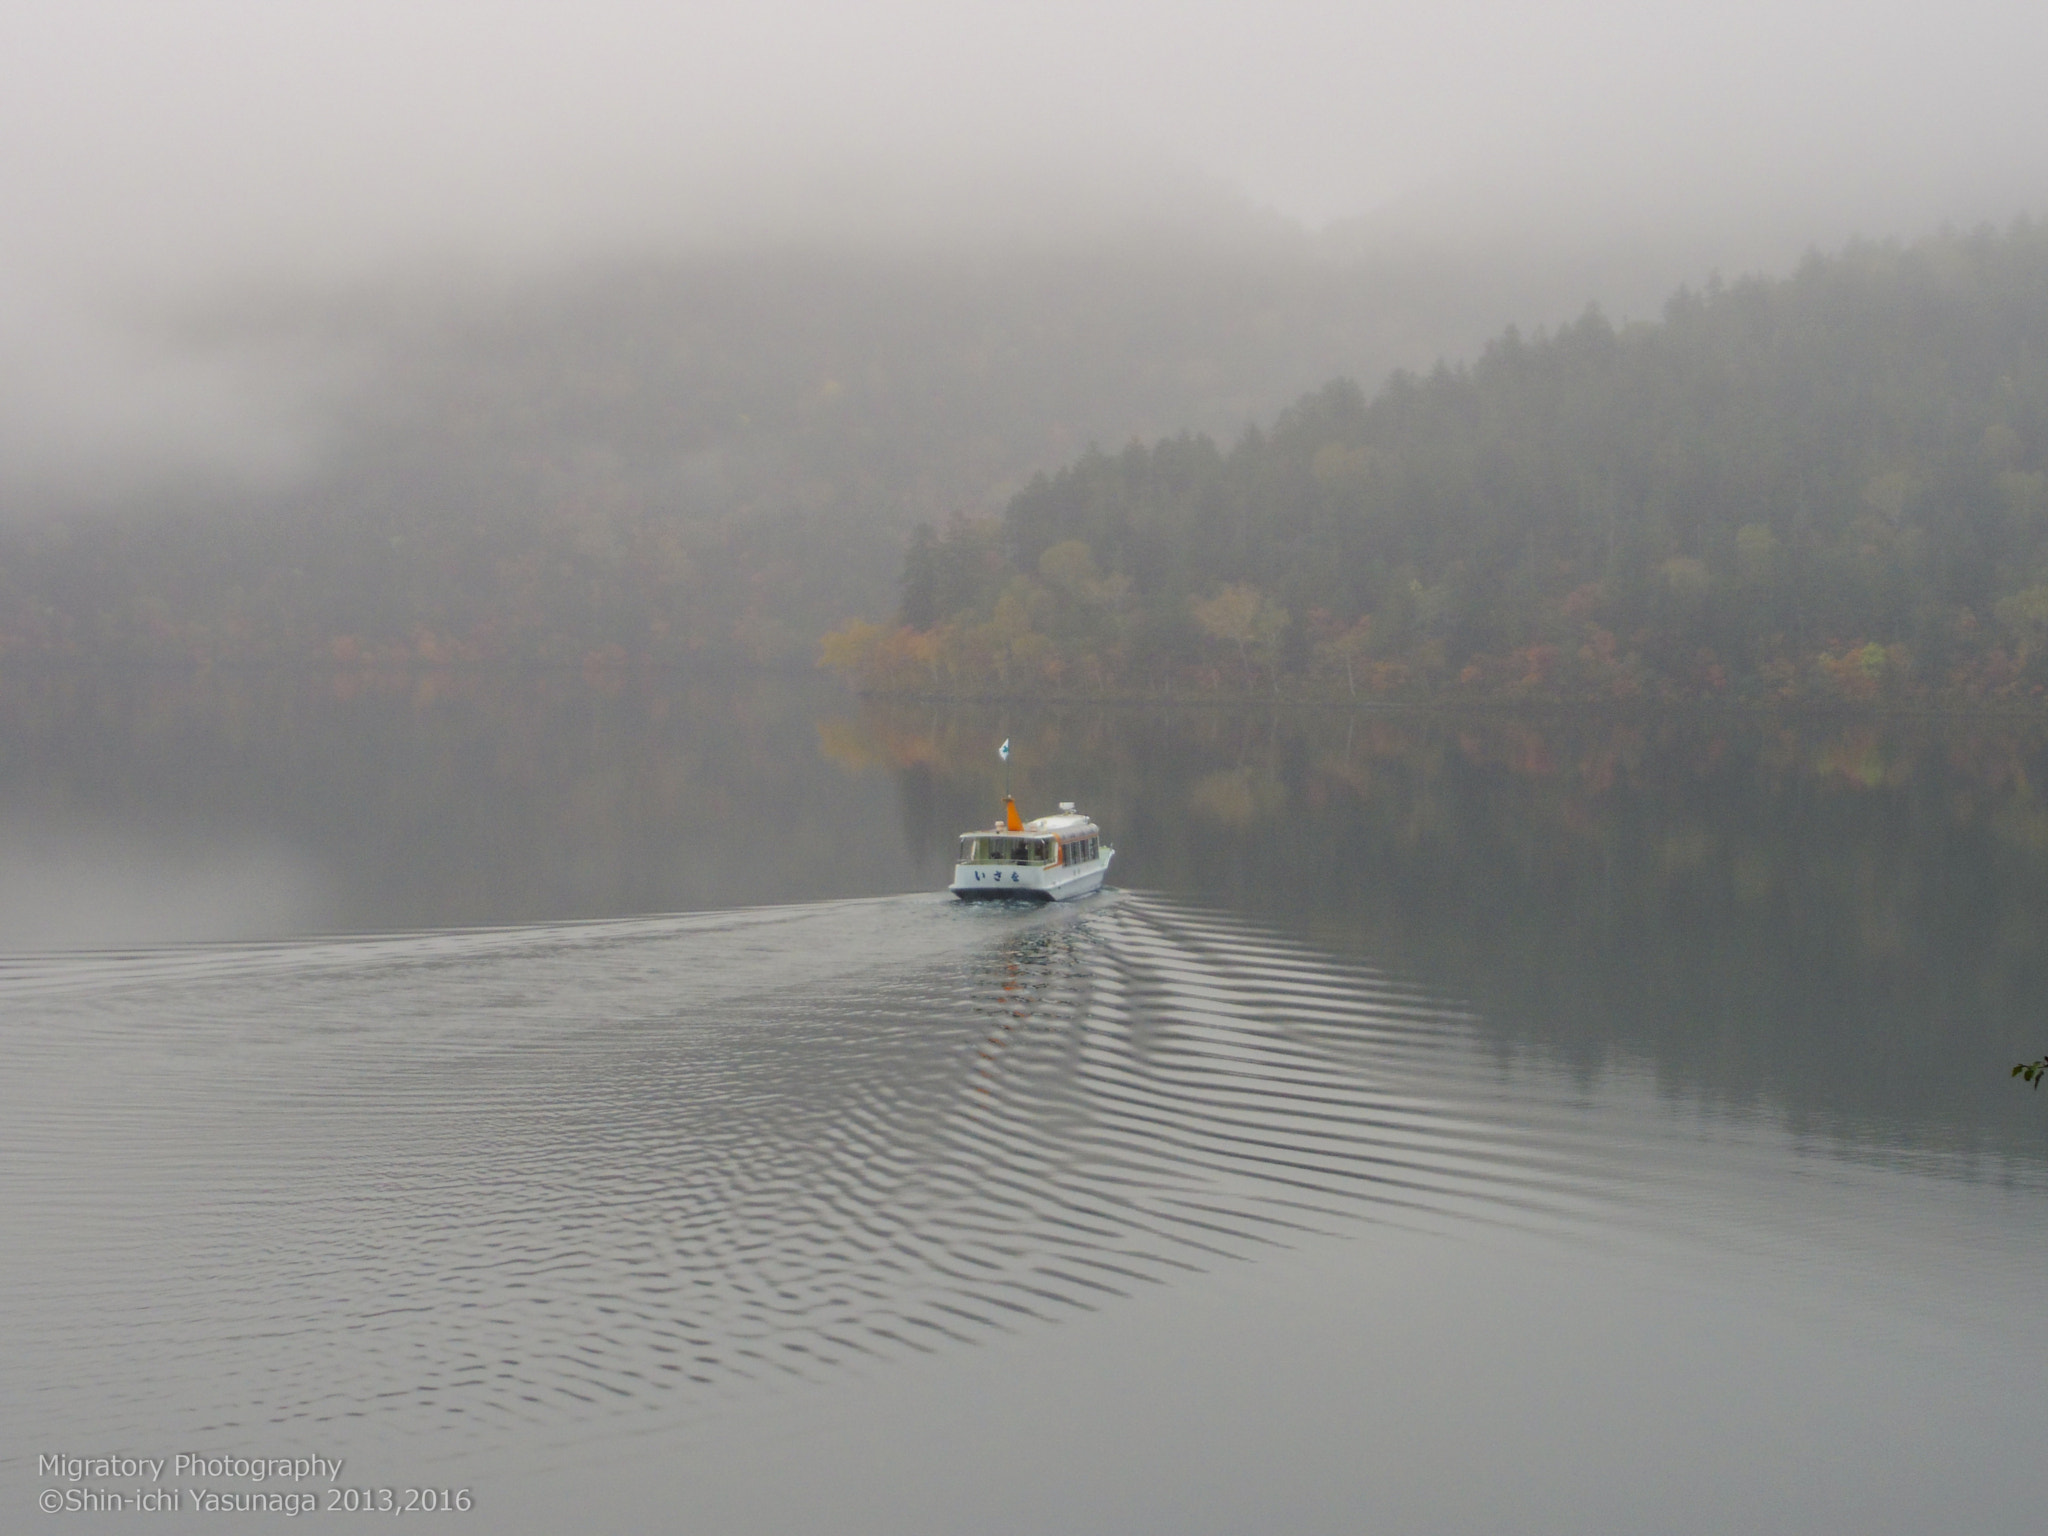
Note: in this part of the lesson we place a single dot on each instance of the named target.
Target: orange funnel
(1010, 817)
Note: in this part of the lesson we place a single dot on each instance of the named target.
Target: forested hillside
(722, 454)
(1828, 486)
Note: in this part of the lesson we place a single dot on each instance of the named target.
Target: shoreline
(1747, 708)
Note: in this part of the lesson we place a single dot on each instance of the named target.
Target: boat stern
(998, 882)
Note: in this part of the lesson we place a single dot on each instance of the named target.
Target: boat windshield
(987, 849)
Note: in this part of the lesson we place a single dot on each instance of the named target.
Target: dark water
(1563, 1125)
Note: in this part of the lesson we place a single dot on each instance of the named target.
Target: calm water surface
(573, 1091)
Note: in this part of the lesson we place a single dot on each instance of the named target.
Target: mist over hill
(531, 332)
(720, 453)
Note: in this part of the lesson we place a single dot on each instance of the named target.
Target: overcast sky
(155, 145)
(152, 135)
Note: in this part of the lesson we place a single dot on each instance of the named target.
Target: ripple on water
(523, 1175)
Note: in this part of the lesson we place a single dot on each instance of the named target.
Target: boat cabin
(1076, 846)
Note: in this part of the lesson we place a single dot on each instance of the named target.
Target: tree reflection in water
(1842, 920)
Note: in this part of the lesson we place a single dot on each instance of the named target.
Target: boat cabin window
(1007, 850)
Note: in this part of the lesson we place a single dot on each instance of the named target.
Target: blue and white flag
(1004, 750)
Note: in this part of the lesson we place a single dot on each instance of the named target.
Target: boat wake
(457, 1180)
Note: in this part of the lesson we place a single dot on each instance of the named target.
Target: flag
(1004, 750)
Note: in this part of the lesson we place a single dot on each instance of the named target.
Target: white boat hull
(1030, 882)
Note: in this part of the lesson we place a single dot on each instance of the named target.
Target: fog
(181, 140)
(164, 166)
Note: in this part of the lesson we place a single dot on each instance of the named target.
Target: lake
(573, 1092)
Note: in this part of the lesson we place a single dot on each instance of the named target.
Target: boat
(1052, 858)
